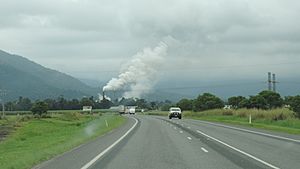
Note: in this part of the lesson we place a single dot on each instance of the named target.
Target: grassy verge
(60, 111)
(281, 120)
(37, 140)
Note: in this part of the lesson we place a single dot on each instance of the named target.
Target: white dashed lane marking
(189, 138)
(238, 150)
(203, 149)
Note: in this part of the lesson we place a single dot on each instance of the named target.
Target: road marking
(180, 131)
(240, 151)
(189, 138)
(87, 165)
(203, 149)
(254, 132)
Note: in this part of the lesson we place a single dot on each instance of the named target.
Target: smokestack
(103, 95)
(274, 83)
(269, 81)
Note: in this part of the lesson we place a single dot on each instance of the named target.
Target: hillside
(22, 77)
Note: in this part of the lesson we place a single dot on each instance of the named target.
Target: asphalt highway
(152, 142)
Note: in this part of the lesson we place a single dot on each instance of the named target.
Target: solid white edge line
(240, 151)
(87, 165)
(255, 132)
(203, 149)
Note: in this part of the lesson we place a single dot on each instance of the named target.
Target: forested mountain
(22, 77)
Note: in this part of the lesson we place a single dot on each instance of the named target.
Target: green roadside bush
(295, 105)
(70, 116)
(39, 108)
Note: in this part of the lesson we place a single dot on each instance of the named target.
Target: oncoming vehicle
(175, 112)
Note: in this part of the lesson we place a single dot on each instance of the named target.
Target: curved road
(147, 142)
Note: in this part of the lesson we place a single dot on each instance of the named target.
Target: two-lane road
(147, 142)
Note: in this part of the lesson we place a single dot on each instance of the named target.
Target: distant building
(226, 107)
(87, 108)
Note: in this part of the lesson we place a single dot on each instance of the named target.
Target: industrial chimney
(103, 95)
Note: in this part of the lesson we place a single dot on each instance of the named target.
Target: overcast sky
(207, 38)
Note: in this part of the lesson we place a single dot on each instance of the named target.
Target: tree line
(60, 103)
(264, 100)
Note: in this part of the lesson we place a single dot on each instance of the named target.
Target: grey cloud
(200, 33)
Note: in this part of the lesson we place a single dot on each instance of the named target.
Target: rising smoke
(140, 73)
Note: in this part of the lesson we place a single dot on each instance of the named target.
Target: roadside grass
(61, 111)
(282, 120)
(37, 140)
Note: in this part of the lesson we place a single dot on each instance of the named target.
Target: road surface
(152, 142)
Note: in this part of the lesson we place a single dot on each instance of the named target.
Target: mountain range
(22, 77)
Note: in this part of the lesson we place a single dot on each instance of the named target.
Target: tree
(273, 99)
(10, 106)
(258, 102)
(185, 104)
(237, 101)
(288, 100)
(207, 101)
(166, 107)
(153, 105)
(61, 102)
(245, 103)
(86, 102)
(39, 107)
(23, 104)
(141, 103)
(105, 104)
(295, 104)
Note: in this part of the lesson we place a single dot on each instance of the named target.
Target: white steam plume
(140, 73)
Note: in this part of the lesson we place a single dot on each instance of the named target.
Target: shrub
(70, 116)
(39, 108)
(227, 113)
(295, 105)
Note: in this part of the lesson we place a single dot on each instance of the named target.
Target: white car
(175, 112)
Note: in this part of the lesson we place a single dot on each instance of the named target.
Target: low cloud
(104, 34)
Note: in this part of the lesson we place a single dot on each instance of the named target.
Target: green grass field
(282, 120)
(36, 140)
(60, 111)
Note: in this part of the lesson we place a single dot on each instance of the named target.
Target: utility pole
(3, 94)
(269, 81)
